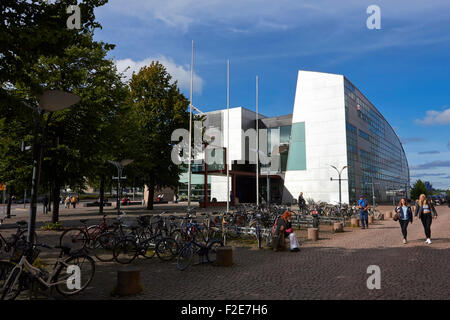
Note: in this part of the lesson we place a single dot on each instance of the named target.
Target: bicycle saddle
(22, 222)
(83, 220)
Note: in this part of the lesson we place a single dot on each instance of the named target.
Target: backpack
(274, 227)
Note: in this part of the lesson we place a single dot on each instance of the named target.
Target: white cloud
(268, 14)
(181, 73)
(435, 117)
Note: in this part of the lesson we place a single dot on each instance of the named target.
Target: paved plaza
(335, 267)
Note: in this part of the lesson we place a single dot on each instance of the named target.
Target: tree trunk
(151, 193)
(8, 208)
(102, 192)
(50, 199)
(56, 200)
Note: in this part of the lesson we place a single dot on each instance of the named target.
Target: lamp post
(50, 101)
(119, 165)
(340, 179)
(373, 192)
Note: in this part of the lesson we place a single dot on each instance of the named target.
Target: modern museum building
(333, 127)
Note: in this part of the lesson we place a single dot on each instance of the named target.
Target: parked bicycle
(24, 276)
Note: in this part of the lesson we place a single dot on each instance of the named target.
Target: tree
(157, 109)
(31, 32)
(418, 189)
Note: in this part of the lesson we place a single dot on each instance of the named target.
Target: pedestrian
(363, 206)
(425, 211)
(45, 204)
(231, 198)
(301, 203)
(447, 198)
(282, 229)
(405, 216)
(67, 202)
(73, 201)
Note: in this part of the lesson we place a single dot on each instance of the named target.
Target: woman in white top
(425, 211)
(405, 216)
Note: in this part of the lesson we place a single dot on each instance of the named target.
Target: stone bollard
(224, 256)
(338, 227)
(128, 281)
(370, 219)
(354, 222)
(313, 234)
(388, 214)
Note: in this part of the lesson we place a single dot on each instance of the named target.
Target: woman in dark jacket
(283, 228)
(405, 216)
(425, 211)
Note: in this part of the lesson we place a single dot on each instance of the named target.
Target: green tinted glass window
(297, 148)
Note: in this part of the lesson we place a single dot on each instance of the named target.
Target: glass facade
(282, 136)
(374, 152)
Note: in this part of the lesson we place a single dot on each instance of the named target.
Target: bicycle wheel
(69, 280)
(12, 286)
(24, 234)
(185, 257)
(77, 238)
(178, 236)
(166, 249)
(211, 253)
(5, 269)
(104, 247)
(148, 248)
(125, 251)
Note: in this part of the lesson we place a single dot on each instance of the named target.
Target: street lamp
(50, 101)
(339, 173)
(119, 165)
(373, 191)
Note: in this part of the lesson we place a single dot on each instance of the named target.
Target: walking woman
(405, 216)
(425, 211)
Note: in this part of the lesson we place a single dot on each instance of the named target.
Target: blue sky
(403, 69)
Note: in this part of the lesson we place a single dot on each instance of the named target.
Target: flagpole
(190, 129)
(228, 136)
(257, 146)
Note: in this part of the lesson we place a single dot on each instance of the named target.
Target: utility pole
(340, 189)
(373, 191)
(119, 166)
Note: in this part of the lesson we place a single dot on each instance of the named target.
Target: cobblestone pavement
(335, 267)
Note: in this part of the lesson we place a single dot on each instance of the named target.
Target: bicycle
(208, 250)
(84, 236)
(6, 244)
(131, 246)
(24, 275)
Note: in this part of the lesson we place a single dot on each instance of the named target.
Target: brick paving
(332, 268)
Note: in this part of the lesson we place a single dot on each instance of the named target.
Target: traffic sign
(2, 186)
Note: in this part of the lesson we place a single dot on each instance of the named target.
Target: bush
(53, 226)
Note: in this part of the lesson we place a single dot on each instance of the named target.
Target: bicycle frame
(36, 273)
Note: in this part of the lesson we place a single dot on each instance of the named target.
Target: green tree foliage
(30, 29)
(38, 52)
(157, 109)
(418, 189)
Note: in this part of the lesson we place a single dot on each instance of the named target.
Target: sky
(402, 68)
